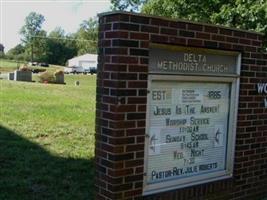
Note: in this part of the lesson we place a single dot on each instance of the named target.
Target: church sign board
(191, 116)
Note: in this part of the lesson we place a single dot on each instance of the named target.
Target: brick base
(124, 40)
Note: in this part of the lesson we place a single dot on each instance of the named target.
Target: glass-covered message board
(190, 130)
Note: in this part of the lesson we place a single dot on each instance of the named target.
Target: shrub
(58, 72)
(2, 55)
(10, 57)
(38, 70)
(19, 57)
(24, 68)
(46, 77)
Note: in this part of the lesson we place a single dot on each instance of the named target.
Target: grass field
(47, 139)
(11, 65)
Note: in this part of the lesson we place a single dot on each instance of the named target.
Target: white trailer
(86, 61)
(73, 70)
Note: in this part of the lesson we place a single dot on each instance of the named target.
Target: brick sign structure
(181, 110)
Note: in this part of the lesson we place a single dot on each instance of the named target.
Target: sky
(67, 14)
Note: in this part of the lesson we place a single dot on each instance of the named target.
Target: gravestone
(11, 76)
(23, 76)
(180, 110)
(59, 78)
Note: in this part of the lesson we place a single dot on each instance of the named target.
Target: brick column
(124, 40)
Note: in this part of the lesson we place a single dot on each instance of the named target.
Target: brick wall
(124, 40)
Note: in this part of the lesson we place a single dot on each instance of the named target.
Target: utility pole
(31, 52)
(32, 41)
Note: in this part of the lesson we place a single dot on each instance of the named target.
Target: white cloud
(66, 14)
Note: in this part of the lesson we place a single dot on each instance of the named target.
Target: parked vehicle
(43, 64)
(74, 70)
(33, 63)
(92, 70)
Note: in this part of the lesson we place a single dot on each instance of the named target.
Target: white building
(85, 61)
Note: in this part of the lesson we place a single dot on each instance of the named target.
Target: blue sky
(64, 13)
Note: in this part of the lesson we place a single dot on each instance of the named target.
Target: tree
(129, 5)
(17, 53)
(38, 49)
(18, 49)
(194, 10)
(243, 14)
(87, 36)
(31, 31)
(60, 47)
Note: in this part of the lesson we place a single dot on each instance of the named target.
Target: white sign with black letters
(188, 129)
(191, 117)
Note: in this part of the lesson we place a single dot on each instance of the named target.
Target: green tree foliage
(17, 53)
(31, 31)
(194, 10)
(39, 47)
(55, 48)
(129, 5)
(18, 49)
(32, 27)
(87, 36)
(60, 47)
(243, 14)
(246, 14)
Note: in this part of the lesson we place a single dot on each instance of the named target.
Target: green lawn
(11, 65)
(7, 65)
(47, 139)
